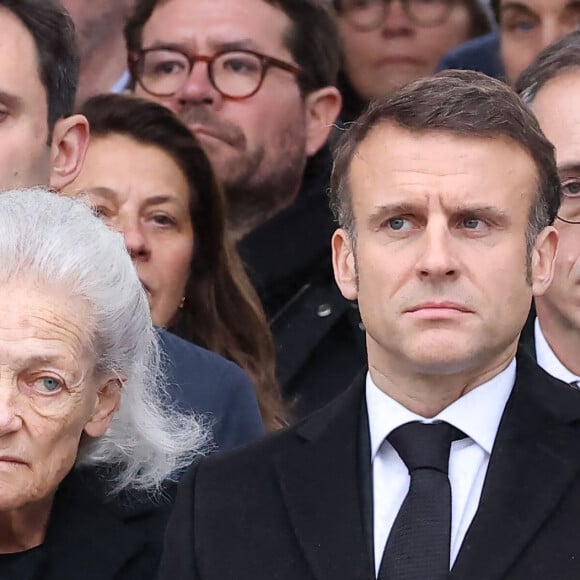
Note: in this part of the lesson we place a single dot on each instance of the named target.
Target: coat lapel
(535, 458)
(321, 488)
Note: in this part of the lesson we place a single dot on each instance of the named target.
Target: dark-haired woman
(149, 178)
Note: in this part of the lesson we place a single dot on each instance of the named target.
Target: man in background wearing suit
(453, 452)
(550, 86)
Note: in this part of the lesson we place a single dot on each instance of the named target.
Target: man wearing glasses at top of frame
(254, 81)
(550, 86)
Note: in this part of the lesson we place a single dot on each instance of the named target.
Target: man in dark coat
(266, 135)
(550, 87)
(453, 457)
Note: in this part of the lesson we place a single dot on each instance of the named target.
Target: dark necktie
(418, 545)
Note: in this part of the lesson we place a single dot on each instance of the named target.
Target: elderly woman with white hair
(86, 442)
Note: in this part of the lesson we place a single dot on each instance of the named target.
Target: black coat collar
(287, 250)
(94, 536)
(320, 485)
(534, 460)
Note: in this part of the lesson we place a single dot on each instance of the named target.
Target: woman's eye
(47, 385)
(163, 220)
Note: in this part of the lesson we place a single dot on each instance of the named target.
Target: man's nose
(552, 31)
(198, 88)
(437, 259)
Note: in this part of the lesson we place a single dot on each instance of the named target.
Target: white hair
(60, 242)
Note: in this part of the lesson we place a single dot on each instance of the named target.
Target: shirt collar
(477, 413)
(548, 360)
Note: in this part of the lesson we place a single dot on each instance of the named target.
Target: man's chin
(442, 359)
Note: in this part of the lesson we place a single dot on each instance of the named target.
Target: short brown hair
(312, 39)
(221, 311)
(465, 103)
(554, 60)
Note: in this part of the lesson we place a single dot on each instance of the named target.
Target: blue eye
(397, 224)
(471, 223)
(47, 385)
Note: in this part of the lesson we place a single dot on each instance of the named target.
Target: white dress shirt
(548, 360)
(477, 414)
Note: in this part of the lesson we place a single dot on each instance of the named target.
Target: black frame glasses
(247, 85)
(572, 198)
(367, 15)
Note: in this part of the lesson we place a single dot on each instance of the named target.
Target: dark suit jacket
(92, 536)
(481, 54)
(292, 506)
(528, 335)
(205, 382)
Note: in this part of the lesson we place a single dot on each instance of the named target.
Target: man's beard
(263, 187)
(258, 183)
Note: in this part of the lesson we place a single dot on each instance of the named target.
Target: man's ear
(106, 405)
(343, 262)
(70, 140)
(322, 109)
(542, 260)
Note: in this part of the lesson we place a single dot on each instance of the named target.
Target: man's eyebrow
(572, 168)
(516, 7)
(392, 209)
(216, 44)
(403, 208)
(241, 44)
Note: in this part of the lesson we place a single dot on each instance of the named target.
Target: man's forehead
(211, 24)
(557, 107)
(390, 151)
(19, 64)
(539, 6)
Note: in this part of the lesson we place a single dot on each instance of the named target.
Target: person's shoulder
(318, 428)
(206, 383)
(550, 393)
(188, 364)
(196, 358)
(481, 54)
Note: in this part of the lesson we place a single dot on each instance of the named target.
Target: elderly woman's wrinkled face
(398, 50)
(49, 394)
(141, 191)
